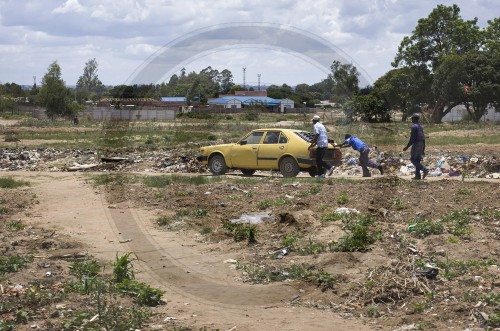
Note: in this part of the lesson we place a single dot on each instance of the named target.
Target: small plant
(464, 191)
(206, 230)
(312, 190)
(312, 247)
(123, 267)
(289, 241)
(342, 199)
(422, 228)
(338, 216)
(358, 236)
(163, 220)
(141, 293)
(324, 280)
(397, 203)
(453, 239)
(372, 311)
(12, 263)
(264, 204)
(419, 308)
(460, 223)
(15, 225)
(200, 212)
(241, 232)
(86, 268)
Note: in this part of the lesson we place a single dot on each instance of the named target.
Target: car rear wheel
(248, 172)
(217, 165)
(289, 167)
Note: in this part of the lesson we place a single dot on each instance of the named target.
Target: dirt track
(201, 290)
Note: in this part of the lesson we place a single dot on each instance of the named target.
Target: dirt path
(201, 290)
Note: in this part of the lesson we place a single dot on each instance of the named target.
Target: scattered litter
(346, 210)
(252, 218)
(352, 161)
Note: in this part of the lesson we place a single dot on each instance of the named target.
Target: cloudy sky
(277, 39)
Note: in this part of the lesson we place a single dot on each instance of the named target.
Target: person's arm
(413, 137)
(314, 141)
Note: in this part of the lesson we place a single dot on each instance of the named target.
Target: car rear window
(307, 136)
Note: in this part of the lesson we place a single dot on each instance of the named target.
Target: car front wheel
(289, 167)
(217, 165)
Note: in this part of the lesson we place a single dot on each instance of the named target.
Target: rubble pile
(184, 161)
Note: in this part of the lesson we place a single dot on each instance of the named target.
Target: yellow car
(285, 150)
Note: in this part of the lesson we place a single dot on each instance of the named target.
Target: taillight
(337, 154)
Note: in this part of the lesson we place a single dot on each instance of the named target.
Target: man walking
(363, 149)
(417, 143)
(321, 140)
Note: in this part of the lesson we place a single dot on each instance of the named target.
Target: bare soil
(192, 258)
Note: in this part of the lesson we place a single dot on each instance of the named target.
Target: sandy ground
(200, 289)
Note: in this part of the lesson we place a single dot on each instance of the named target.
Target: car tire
(248, 172)
(217, 165)
(289, 167)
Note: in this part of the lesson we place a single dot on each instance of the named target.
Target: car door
(244, 154)
(273, 146)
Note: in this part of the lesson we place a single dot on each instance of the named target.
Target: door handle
(281, 147)
(254, 147)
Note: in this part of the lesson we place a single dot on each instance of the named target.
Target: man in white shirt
(321, 140)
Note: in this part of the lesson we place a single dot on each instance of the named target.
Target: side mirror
(243, 142)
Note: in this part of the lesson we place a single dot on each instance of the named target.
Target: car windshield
(307, 136)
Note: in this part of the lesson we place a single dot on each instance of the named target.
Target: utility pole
(258, 75)
(244, 80)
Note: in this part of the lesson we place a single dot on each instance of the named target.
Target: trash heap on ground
(440, 164)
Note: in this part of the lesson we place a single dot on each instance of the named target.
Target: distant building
(174, 99)
(238, 101)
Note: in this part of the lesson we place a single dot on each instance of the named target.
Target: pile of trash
(51, 159)
(439, 164)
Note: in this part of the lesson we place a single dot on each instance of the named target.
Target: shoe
(367, 175)
(330, 171)
(381, 169)
(426, 172)
(415, 178)
(319, 176)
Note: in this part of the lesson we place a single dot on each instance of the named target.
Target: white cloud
(122, 34)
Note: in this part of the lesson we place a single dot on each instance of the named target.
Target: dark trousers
(416, 156)
(365, 162)
(320, 164)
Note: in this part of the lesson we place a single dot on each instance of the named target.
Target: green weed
(342, 199)
(13, 263)
(16, 225)
(163, 220)
(200, 212)
(358, 235)
(123, 267)
(89, 267)
(142, 293)
(397, 203)
(10, 183)
(422, 228)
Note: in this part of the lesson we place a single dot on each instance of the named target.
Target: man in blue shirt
(363, 149)
(321, 140)
(417, 143)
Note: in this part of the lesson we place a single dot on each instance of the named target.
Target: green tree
(405, 89)
(367, 108)
(54, 95)
(89, 86)
(345, 81)
(441, 34)
(226, 81)
(492, 36)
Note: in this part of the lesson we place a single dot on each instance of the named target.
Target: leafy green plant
(264, 204)
(88, 267)
(342, 199)
(422, 228)
(372, 311)
(13, 263)
(200, 212)
(289, 241)
(206, 230)
(324, 280)
(123, 267)
(460, 223)
(397, 203)
(358, 235)
(142, 293)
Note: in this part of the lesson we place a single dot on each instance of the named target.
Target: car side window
(283, 139)
(254, 138)
(271, 138)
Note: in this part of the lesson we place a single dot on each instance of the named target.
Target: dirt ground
(375, 289)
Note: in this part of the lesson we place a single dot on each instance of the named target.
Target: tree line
(445, 62)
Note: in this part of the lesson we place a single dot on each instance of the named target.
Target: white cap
(316, 118)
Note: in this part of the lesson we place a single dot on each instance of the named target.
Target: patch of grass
(463, 191)
(289, 241)
(313, 190)
(312, 248)
(422, 228)
(460, 223)
(88, 267)
(200, 212)
(36, 295)
(11, 183)
(241, 232)
(15, 225)
(342, 199)
(455, 268)
(272, 203)
(206, 230)
(337, 216)
(397, 203)
(372, 311)
(264, 204)
(13, 263)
